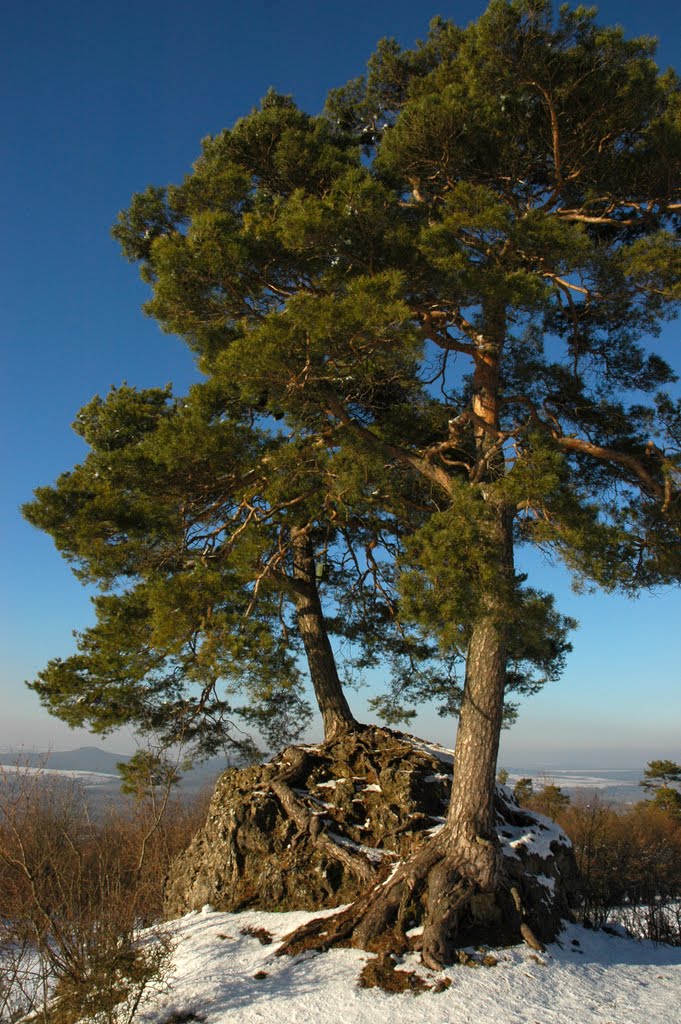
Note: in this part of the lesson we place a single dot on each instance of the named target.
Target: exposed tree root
(311, 825)
(439, 888)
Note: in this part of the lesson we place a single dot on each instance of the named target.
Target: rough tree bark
(472, 861)
(335, 710)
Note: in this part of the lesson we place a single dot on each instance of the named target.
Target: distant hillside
(84, 759)
(92, 759)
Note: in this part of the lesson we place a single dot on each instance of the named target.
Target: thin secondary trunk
(333, 706)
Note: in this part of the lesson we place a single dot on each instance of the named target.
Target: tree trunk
(472, 861)
(471, 808)
(334, 708)
(455, 884)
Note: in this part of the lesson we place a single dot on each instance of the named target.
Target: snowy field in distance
(86, 777)
(587, 977)
(577, 777)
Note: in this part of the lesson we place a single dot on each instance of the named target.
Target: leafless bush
(74, 896)
(659, 921)
(630, 866)
(24, 977)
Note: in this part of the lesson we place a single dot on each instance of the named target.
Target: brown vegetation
(629, 860)
(75, 893)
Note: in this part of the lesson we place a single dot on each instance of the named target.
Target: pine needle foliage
(432, 309)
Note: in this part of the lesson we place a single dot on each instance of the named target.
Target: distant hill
(84, 759)
(92, 759)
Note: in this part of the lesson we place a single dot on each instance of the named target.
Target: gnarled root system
(438, 888)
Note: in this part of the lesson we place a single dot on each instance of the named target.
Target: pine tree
(523, 790)
(146, 772)
(211, 545)
(191, 629)
(662, 778)
(448, 284)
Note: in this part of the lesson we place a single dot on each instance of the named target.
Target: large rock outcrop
(317, 825)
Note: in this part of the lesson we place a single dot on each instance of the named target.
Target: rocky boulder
(317, 825)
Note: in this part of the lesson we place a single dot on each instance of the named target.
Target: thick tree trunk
(334, 708)
(471, 869)
(472, 861)
(471, 809)
(456, 883)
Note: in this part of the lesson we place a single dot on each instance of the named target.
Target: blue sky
(101, 100)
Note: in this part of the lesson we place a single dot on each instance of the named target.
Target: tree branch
(406, 458)
(605, 454)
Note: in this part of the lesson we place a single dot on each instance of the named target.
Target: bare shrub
(74, 896)
(149, 834)
(630, 865)
(659, 921)
(24, 977)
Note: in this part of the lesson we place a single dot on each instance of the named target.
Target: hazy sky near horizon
(102, 100)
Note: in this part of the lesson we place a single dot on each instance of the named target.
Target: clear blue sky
(100, 100)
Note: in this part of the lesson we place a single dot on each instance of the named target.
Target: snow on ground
(577, 779)
(586, 977)
(536, 836)
(444, 754)
(85, 776)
